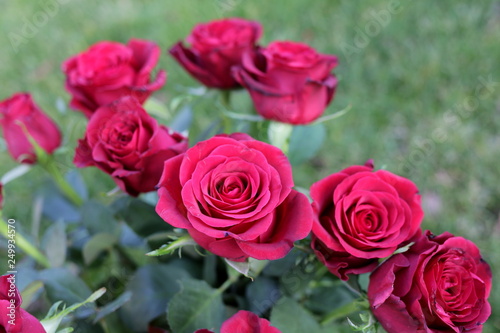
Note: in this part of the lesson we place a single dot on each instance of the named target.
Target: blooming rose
(361, 216)
(127, 143)
(14, 319)
(234, 196)
(245, 322)
(20, 116)
(109, 70)
(289, 82)
(440, 285)
(216, 46)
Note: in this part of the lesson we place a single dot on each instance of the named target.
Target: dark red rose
(245, 322)
(216, 46)
(441, 284)
(19, 116)
(234, 196)
(14, 319)
(109, 70)
(361, 216)
(289, 82)
(127, 143)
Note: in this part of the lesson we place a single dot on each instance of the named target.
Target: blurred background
(422, 79)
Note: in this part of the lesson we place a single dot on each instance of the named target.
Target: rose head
(361, 216)
(20, 118)
(288, 82)
(441, 284)
(216, 46)
(234, 196)
(109, 70)
(127, 143)
(245, 322)
(14, 319)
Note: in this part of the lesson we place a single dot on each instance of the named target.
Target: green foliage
(196, 306)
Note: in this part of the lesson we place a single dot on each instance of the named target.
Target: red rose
(18, 115)
(127, 143)
(245, 322)
(109, 70)
(216, 46)
(440, 285)
(361, 216)
(14, 319)
(289, 82)
(234, 196)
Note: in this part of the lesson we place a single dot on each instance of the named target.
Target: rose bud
(234, 196)
(245, 322)
(361, 216)
(289, 82)
(109, 70)
(14, 319)
(441, 284)
(21, 118)
(123, 140)
(216, 46)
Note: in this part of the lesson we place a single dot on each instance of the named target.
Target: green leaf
(61, 284)
(251, 268)
(113, 306)
(290, 317)
(17, 172)
(98, 218)
(196, 306)
(55, 315)
(140, 216)
(31, 292)
(171, 247)
(75, 179)
(262, 294)
(305, 142)
(152, 286)
(96, 245)
(183, 120)
(55, 206)
(157, 108)
(333, 115)
(279, 135)
(55, 243)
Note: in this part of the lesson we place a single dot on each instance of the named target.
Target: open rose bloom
(361, 216)
(234, 196)
(245, 322)
(440, 285)
(216, 46)
(127, 143)
(20, 118)
(14, 319)
(288, 81)
(110, 70)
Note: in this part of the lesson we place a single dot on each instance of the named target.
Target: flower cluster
(288, 81)
(234, 195)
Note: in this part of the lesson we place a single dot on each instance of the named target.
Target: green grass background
(418, 107)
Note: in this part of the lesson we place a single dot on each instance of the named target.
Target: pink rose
(361, 216)
(216, 46)
(234, 196)
(288, 81)
(123, 140)
(441, 284)
(110, 70)
(19, 116)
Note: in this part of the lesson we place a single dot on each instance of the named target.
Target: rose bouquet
(256, 252)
